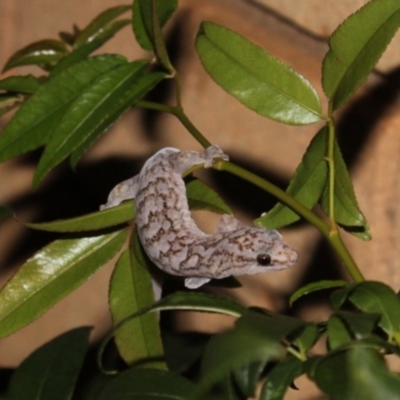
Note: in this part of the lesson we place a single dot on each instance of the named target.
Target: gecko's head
(257, 250)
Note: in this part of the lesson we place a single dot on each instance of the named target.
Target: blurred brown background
(368, 129)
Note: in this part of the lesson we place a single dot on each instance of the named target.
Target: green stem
(331, 167)
(332, 235)
(352, 268)
(179, 113)
(280, 194)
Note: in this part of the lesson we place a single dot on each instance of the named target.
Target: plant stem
(332, 235)
(352, 268)
(331, 175)
(277, 192)
(179, 113)
(329, 231)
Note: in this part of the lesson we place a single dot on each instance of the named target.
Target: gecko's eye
(264, 259)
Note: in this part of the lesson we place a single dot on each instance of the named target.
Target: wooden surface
(369, 133)
(320, 18)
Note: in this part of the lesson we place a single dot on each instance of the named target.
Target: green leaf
(139, 340)
(357, 373)
(26, 84)
(99, 24)
(356, 46)
(89, 112)
(347, 211)
(338, 297)
(197, 301)
(338, 333)
(280, 378)
(376, 297)
(140, 88)
(202, 197)
(31, 126)
(51, 274)
(183, 349)
(123, 213)
(372, 297)
(228, 351)
(51, 371)
(142, 22)
(306, 186)
(247, 378)
(8, 102)
(193, 301)
(43, 52)
(84, 50)
(147, 384)
(314, 287)
(159, 44)
(306, 338)
(360, 325)
(258, 80)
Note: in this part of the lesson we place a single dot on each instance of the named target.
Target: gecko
(170, 236)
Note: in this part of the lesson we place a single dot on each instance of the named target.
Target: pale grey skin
(173, 241)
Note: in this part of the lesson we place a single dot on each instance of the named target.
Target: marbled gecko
(173, 241)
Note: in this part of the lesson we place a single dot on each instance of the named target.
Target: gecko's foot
(213, 153)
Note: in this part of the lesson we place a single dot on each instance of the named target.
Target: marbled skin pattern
(173, 241)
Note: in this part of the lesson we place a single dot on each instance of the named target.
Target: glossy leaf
(202, 197)
(123, 213)
(258, 80)
(263, 332)
(193, 301)
(347, 211)
(356, 46)
(26, 84)
(306, 186)
(31, 126)
(372, 297)
(86, 49)
(99, 24)
(376, 297)
(89, 112)
(138, 89)
(51, 274)
(280, 378)
(248, 377)
(306, 338)
(338, 297)
(8, 102)
(357, 373)
(314, 287)
(360, 325)
(139, 340)
(183, 349)
(338, 333)
(43, 52)
(147, 384)
(142, 21)
(197, 301)
(51, 371)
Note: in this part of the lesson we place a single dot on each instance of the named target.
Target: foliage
(74, 102)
